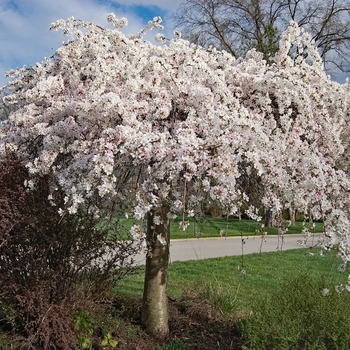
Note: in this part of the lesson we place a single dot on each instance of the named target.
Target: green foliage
(297, 316)
(84, 327)
(108, 341)
(267, 42)
(222, 297)
(5, 341)
(174, 345)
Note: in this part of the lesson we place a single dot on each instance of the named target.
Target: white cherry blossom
(121, 123)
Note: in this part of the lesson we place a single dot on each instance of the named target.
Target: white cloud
(25, 37)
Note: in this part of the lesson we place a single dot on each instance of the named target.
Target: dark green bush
(297, 316)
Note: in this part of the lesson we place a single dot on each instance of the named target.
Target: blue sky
(25, 37)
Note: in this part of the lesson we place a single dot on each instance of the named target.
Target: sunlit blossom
(160, 38)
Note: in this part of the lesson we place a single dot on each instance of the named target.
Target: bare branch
(240, 25)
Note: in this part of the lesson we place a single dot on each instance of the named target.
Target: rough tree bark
(155, 293)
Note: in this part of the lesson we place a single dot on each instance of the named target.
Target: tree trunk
(292, 216)
(155, 293)
(269, 218)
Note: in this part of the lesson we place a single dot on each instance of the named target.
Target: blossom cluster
(118, 121)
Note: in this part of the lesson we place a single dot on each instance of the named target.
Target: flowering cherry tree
(123, 125)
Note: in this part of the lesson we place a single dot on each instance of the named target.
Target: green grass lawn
(263, 274)
(278, 300)
(209, 226)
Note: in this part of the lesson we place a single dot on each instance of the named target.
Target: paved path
(203, 248)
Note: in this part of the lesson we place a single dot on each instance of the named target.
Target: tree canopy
(121, 125)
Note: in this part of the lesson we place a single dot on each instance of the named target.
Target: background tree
(239, 25)
(5, 109)
(121, 123)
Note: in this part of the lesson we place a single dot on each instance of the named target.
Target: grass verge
(282, 288)
(209, 226)
(257, 275)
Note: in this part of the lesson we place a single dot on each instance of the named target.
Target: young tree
(239, 25)
(158, 130)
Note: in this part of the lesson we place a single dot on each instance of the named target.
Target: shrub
(298, 316)
(222, 298)
(51, 265)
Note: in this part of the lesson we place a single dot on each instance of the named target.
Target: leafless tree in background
(240, 25)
